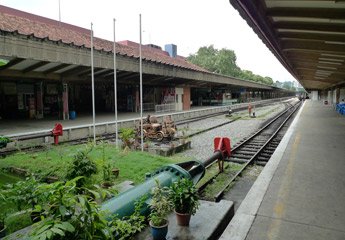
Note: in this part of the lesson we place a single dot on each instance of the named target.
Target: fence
(165, 108)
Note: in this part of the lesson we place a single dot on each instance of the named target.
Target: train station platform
(300, 194)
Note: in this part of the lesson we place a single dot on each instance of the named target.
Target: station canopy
(307, 37)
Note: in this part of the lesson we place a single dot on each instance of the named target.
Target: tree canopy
(223, 62)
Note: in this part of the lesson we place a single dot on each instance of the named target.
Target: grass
(219, 182)
(56, 161)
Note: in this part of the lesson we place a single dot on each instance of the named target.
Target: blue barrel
(72, 115)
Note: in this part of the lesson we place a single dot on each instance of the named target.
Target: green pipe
(124, 203)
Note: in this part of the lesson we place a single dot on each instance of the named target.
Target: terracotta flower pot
(106, 185)
(183, 219)
(115, 172)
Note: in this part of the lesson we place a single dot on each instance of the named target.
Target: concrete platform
(208, 223)
(301, 192)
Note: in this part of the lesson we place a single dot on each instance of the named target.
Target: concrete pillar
(65, 111)
(39, 100)
(178, 99)
(186, 98)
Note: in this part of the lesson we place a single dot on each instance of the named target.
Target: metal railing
(169, 107)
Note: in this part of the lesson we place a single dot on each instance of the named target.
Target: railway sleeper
(260, 163)
(249, 149)
(242, 156)
(245, 152)
(264, 159)
(236, 160)
(268, 152)
(254, 146)
(265, 155)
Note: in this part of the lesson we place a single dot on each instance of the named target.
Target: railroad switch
(56, 132)
(223, 147)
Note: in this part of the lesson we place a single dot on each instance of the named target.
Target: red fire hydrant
(56, 132)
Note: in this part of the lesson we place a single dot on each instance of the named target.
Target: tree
(224, 62)
(218, 61)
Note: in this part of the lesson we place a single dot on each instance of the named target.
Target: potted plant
(3, 141)
(160, 208)
(184, 197)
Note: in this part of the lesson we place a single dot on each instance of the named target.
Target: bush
(82, 165)
(184, 196)
(69, 215)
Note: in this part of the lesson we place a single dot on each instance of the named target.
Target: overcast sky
(190, 24)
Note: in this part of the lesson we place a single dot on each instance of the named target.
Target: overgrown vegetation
(218, 183)
(133, 164)
(52, 204)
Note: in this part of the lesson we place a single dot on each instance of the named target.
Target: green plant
(22, 193)
(107, 175)
(126, 227)
(184, 196)
(3, 213)
(160, 205)
(69, 215)
(3, 141)
(82, 165)
(126, 134)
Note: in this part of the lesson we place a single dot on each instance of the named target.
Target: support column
(39, 100)
(186, 98)
(65, 111)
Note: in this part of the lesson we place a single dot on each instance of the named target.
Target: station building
(45, 72)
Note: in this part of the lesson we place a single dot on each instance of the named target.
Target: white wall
(314, 95)
(178, 99)
(334, 100)
(342, 94)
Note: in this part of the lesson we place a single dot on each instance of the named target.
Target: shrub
(82, 165)
(160, 205)
(184, 196)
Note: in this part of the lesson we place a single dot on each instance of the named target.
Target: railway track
(257, 149)
(106, 137)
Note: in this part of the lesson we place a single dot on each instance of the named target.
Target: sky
(189, 24)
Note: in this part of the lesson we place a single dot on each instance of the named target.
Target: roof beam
(56, 68)
(288, 45)
(12, 63)
(309, 12)
(34, 66)
(330, 27)
(311, 36)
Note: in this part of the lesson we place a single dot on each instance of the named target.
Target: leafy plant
(82, 165)
(126, 134)
(3, 212)
(160, 205)
(22, 193)
(69, 215)
(128, 226)
(3, 141)
(184, 196)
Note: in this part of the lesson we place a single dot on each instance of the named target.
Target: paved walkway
(301, 192)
